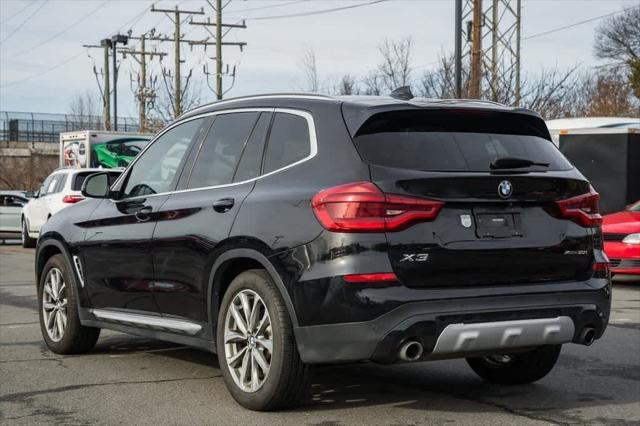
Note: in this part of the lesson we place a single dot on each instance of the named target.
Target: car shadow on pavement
(448, 386)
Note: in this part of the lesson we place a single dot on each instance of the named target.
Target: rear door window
(289, 141)
(222, 148)
(455, 141)
(251, 160)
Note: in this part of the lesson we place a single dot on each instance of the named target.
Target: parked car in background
(11, 203)
(621, 232)
(281, 231)
(59, 190)
(117, 153)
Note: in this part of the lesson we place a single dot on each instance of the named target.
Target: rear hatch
(501, 180)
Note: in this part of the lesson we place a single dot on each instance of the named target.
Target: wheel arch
(46, 249)
(234, 261)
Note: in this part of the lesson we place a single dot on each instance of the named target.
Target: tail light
(363, 207)
(581, 209)
(368, 278)
(72, 199)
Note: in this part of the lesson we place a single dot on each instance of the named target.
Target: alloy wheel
(248, 340)
(54, 304)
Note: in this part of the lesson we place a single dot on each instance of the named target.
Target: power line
(571, 25)
(131, 22)
(28, 5)
(25, 21)
(317, 12)
(271, 6)
(40, 74)
(66, 61)
(100, 6)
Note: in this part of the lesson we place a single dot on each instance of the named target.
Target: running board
(504, 335)
(147, 321)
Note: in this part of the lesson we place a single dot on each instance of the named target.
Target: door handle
(143, 214)
(223, 205)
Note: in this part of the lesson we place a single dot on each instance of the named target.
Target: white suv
(59, 190)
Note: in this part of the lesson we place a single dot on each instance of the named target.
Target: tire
(516, 369)
(287, 380)
(73, 338)
(27, 241)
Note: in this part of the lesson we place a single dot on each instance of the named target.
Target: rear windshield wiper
(514, 163)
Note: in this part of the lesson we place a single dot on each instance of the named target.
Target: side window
(156, 171)
(221, 149)
(62, 178)
(44, 186)
(251, 160)
(289, 141)
(51, 187)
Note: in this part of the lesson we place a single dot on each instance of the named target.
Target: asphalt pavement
(134, 380)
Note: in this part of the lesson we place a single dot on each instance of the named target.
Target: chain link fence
(45, 127)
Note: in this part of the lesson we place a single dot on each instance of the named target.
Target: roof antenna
(403, 93)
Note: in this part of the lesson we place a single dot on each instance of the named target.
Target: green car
(116, 153)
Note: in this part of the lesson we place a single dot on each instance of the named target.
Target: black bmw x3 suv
(282, 231)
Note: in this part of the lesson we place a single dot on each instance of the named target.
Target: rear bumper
(425, 321)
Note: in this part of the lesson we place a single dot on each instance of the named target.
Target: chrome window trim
(313, 149)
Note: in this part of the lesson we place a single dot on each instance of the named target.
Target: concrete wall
(25, 165)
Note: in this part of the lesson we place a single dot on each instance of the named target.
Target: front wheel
(518, 368)
(59, 321)
(256, 347)
(27, 241)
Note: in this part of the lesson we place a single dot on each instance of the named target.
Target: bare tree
(347, 86)
(84, 109)
(618, 41)
(373, 84)
(551, 93)
(165, 107)
(604, 93)
(395, 68)
(310, 70)
(440, 82)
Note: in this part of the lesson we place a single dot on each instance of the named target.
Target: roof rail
(262, 96)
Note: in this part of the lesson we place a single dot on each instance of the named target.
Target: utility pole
(106, 97)
(496, 66)
(105, 90)
(142, 93)
(517, 52)
(458, 49)
(218, 37)
(476, 50)
(122, 39)
(177, 39)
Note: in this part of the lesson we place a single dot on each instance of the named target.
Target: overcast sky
(43, 63)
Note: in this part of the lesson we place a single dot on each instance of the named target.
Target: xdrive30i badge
(505, 189)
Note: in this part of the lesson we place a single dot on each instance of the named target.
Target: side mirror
(96, 185)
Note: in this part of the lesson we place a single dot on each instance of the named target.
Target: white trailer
(97, 148)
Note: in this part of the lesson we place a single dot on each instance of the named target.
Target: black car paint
(173, 263)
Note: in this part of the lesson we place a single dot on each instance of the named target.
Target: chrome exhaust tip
(588, 336)
(411, 350)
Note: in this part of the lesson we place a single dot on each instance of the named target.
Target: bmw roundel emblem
(505, 189)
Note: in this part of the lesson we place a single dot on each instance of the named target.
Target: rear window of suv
(456, 140)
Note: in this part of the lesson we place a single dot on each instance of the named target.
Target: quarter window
(289, 141)
(156, 171)
(221, 149)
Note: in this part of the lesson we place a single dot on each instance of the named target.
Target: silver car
(11, 203)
